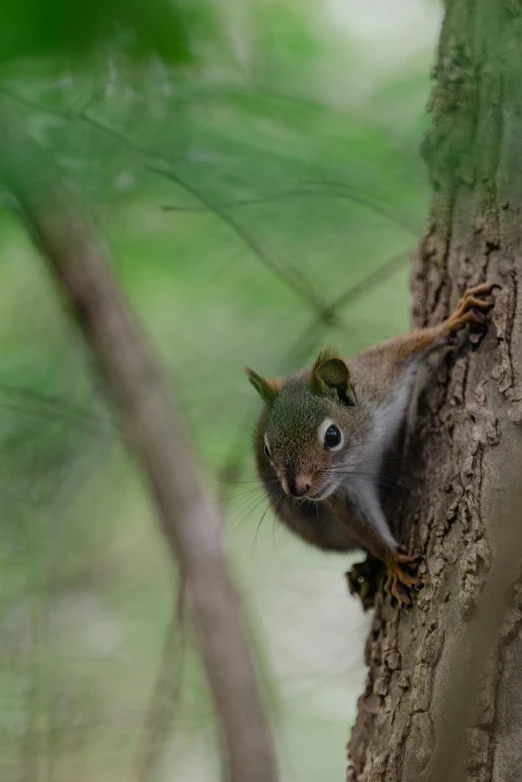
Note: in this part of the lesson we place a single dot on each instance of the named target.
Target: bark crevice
(446, 706)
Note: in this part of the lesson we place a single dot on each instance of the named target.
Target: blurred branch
(346, 190)
(188, 516)
(335, 189)
(297, 281)
(34, 743)
(42, 405)
(298, 284)
(298, 193)
(368, 284)
(305, 103)
(166, 693)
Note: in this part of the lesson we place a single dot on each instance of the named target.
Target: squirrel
(325, 433)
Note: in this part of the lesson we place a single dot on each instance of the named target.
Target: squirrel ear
(267, 389)
(330, 376)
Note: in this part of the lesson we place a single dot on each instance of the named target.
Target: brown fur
(367, 398)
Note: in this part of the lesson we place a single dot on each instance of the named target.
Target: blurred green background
(260, 200)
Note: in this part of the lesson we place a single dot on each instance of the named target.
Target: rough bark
(442, 699)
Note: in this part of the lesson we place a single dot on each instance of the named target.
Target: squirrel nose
(300, 485)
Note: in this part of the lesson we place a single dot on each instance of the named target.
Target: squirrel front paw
(402, 577)
(364, 578)
(471, 310)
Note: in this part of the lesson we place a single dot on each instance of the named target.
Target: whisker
(355, 470)
(242, 494)
(275, 522)
(269, 506)
(224, 480)
(250, 509)
(369, 478)
(246, 499)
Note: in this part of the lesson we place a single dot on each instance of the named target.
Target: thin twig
(296, 282)
(336, 191)
(163, 167)
(166, 693)
(47, 406)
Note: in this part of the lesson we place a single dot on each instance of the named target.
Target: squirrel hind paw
(363, 581)
(398, 593)
(400, 582)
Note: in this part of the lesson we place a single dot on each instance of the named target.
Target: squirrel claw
(403, 558)
(398, 593)
(471, 310)
(400, 582)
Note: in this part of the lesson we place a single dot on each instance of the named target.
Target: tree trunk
(443, 695)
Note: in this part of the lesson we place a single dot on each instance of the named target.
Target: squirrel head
(308, 425)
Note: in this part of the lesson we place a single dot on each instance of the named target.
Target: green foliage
(30, 28)
(249, 222)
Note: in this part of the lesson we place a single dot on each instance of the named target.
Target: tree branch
(188, 516)
(319, 189)
(292, 276)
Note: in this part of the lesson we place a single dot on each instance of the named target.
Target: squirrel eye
(332, 437)
(267, 452)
